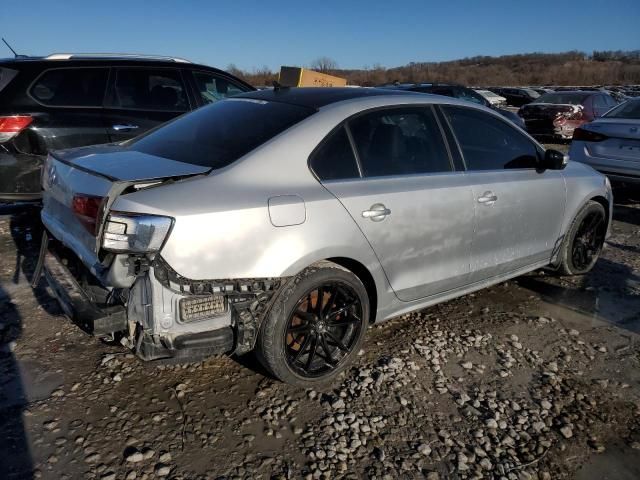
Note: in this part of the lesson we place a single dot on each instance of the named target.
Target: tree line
(567, 68)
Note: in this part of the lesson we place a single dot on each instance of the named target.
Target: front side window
(71, 87)
(488, 143)
(212, 88)
(218, 134)
(334, 159)
(399, 141)
(150, 89)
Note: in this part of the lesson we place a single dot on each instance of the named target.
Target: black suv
(72, 100)
(455, 91)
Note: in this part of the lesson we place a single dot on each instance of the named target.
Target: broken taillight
(87, 208)
(12, 125)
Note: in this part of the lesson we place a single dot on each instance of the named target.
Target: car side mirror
(554, 160)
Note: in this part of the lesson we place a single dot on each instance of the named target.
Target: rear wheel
(316, 326)
(584, 240)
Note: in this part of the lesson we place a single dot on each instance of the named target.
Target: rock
(108, 476)
(92, 458)
(566, 431)
(135, 457)
(162, 470)
(165, 457)
(491, 423)
(338, 403)
(424, 449)
(467, 365)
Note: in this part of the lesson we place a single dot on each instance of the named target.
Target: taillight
(88, 208)
(588, 135)
(13, 125)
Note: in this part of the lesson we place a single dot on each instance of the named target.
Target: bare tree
(324, 64)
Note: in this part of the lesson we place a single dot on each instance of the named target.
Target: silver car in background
(611, 143)
(287, 221)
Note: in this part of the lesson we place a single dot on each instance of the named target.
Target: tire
(286, 338)
(570, 261)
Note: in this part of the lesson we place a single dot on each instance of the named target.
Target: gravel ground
(536, 378)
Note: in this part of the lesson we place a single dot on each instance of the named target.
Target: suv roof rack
(133, 56)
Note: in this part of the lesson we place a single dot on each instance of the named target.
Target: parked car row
(456, 91)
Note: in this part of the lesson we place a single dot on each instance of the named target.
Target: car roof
(408, 86)
(67, 60)
(318, 97)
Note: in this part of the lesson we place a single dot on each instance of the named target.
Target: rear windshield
(629, 109)
(563, 98)
(218, 134)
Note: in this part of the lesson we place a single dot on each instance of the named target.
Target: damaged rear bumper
(148, 316)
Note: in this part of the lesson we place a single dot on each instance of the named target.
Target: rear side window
(488, 143)
(6, 75)
(218, 134)
(71, 87)
(213, 88)
(150, 89)
(399, 141)
(334, 160)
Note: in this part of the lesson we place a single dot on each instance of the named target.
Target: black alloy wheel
(588, 240)
(323, 329)
(583, 241)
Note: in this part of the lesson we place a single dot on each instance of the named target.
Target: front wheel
(584, 240)
(316, 326)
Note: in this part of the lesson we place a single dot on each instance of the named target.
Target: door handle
(376, 213)
(124, 128)
(488, 198)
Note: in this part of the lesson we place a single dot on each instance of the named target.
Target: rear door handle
(488, 198)
(376, 213)
(124, 128)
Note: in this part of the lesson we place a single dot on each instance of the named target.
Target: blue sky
(354, 33)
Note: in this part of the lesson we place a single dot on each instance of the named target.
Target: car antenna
(12, 50)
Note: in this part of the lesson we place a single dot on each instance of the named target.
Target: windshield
(629, 109)
(218, 134)
(563, 98)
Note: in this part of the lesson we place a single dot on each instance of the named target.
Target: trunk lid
(623, 142)
(80, 185)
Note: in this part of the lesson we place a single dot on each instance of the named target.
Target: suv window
(218, 134)
(399, 141)
(71, 87)
(213, 88)
(335, 159)
(150, 89)
(488, 143)
(598, 102)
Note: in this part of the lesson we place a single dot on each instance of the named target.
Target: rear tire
(316, 327)
(584, 240)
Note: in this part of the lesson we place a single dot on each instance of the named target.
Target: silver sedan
(611, 143)
(285, 222)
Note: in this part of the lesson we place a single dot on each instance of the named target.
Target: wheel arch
(365, 276)
(605, 204)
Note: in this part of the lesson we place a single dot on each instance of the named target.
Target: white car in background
(493, 98)
(611, 143)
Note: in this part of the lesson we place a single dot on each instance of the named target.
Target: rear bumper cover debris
(141, 313)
